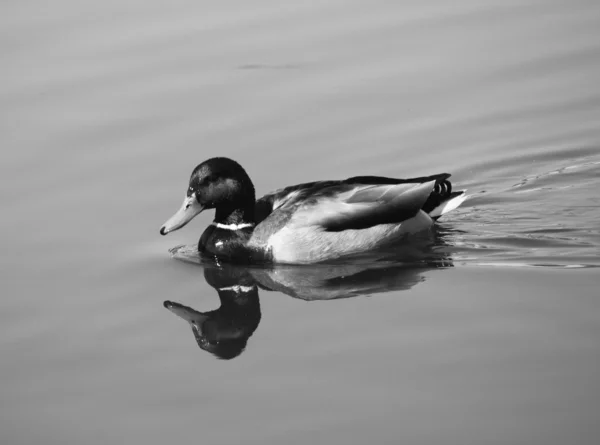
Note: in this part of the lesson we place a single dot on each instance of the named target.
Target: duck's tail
(446, 204)
(442, 199)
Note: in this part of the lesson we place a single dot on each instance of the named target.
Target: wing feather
(364, 206)
(357, 202)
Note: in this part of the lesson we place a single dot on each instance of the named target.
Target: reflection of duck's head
(224, 331)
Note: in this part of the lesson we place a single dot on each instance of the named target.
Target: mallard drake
(311, 222)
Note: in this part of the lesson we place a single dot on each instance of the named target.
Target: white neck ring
(232, 226)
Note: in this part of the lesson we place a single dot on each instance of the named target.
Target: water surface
(491, 337)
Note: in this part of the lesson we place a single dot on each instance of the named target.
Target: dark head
(221, 184)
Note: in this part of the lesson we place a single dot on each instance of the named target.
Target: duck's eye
(210, 178)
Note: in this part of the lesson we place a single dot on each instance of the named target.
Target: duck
(311, 222)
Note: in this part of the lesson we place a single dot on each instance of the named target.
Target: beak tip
(163, 231)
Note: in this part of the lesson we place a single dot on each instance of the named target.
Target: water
(490, 337)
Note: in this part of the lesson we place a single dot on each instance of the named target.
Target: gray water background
(105, 108)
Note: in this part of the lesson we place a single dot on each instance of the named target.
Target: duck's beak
(190, 208)
(193, 317)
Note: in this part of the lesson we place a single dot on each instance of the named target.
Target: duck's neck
(235, 214)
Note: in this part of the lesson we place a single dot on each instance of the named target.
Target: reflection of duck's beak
(194, 318)
(190, 208)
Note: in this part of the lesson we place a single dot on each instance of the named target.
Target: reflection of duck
(224, 331)
(364, 276)
(338, 281)
(310, 222)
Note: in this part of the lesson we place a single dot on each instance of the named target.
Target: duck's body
(310, 222)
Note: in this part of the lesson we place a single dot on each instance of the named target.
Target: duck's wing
(345, 205)
(287, 196)
(292, 195)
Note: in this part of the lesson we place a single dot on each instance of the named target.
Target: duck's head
(218, 183)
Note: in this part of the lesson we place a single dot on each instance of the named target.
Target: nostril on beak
(163, 231)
